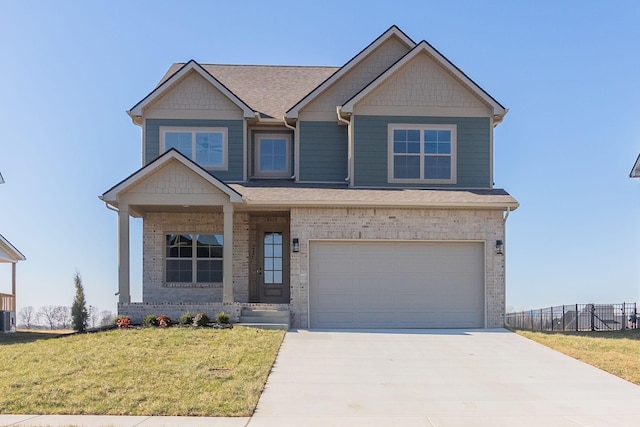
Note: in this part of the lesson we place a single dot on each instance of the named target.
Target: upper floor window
(205, 146)
(422, 154)
(273, 156)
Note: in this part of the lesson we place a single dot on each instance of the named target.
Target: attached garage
(392, 284)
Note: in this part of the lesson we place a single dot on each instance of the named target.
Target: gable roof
(267, 89)
(393, 31)
(1, 179)
(635, 172)
(8, 252)
(191, 66)
(110, 196)
(424, 46)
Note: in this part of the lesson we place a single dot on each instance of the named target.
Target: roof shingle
(269, 89)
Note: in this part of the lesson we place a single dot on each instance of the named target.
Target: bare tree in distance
(94, 315)
(63, 317)
(48, 314)
(106, 318)
(26, 316)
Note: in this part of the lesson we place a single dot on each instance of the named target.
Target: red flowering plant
(163, 321)
(123, 322)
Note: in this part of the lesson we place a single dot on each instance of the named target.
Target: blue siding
(323, 152)
(234, 144)
(473, 150)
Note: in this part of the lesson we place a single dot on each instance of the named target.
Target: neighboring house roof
(635, 172)
(110, 196)
(393, 31)
(267, 89)
(8, 252)
(423, 46)
(1, 179)
(284, 195)
(184, 70)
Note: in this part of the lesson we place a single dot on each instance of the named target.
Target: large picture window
(193, 258)
(422, 153)
(205, 146)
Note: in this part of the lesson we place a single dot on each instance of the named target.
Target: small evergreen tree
(79, 312)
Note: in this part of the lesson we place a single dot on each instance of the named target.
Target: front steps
(265, 319)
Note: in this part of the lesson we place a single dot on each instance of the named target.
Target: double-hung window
(273, 156)
(422, 154)
(205, 146)
(193, 258)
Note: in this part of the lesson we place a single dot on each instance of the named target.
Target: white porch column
(13, 279)
(227, 255)
(123, 254)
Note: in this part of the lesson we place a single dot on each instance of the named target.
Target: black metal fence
(576, 317)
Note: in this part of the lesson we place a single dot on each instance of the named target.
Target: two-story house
(8, 255)
(354, 196)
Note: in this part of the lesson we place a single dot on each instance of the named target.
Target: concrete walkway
(415, 378)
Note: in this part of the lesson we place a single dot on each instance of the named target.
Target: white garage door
(396, 285)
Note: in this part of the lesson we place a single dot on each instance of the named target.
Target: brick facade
(398, 224)
(158, 225)
(310, 224)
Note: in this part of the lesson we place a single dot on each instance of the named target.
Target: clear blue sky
(567, 70)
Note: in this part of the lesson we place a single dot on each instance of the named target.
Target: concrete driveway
(437, 378)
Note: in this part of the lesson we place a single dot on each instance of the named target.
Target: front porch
(204, 249)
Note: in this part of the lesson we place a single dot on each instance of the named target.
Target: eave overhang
(8, 252)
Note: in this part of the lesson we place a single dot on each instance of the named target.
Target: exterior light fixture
(499, 247)
(295, 246)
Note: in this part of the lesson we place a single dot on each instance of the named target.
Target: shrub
(150, 320)
(222, 318)
(163, 320)
(186, 318)
(201, 319)
(123, 322)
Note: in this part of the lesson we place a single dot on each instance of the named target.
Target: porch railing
(7, 302)
(576, 317)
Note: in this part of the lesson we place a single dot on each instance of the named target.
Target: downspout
(349, 143)
(296, 145)
(504, 255)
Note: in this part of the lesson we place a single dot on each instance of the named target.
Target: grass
(151, 371)
(617, 352)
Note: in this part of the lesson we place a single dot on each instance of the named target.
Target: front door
(273, 264)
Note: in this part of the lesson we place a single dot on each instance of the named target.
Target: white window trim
(194, 264)
(256, 156)
(193, 131)
(422, 128)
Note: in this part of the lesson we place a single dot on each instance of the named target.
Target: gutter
(296, 145)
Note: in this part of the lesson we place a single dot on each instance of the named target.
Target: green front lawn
(173, 371)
